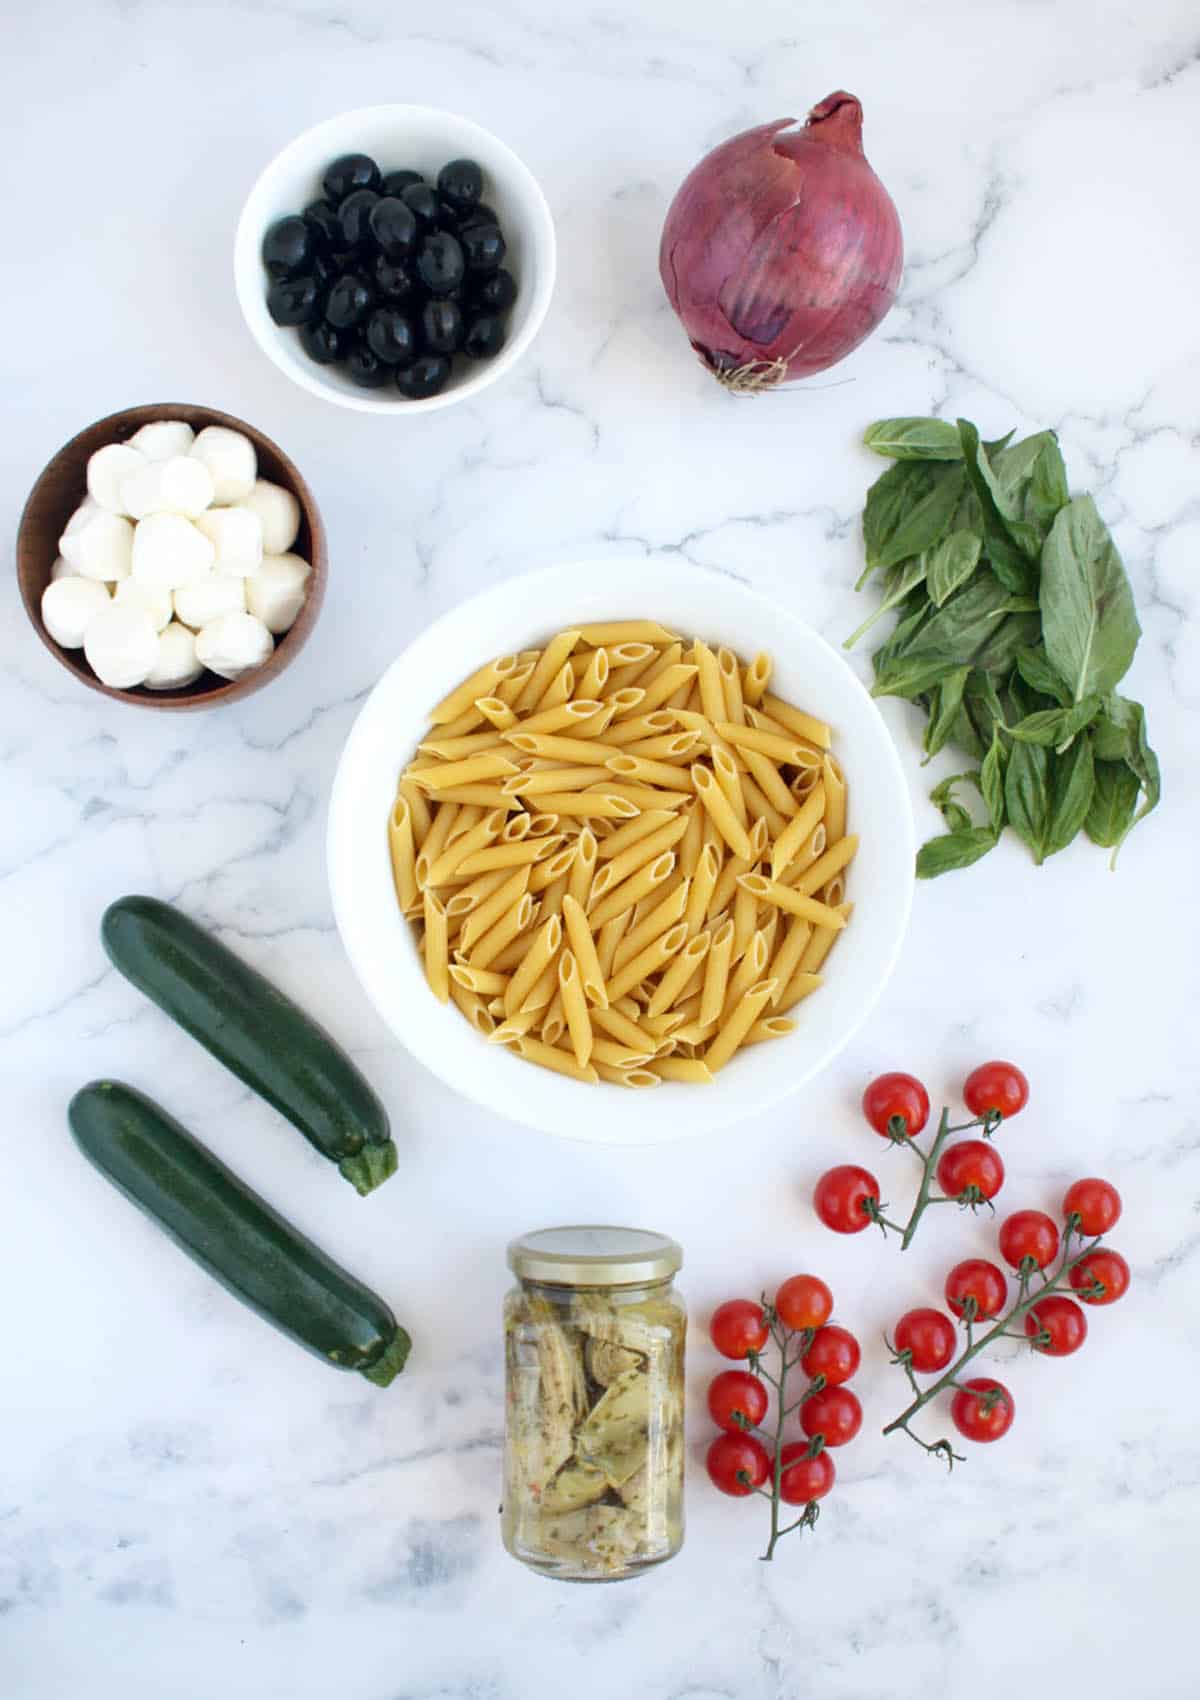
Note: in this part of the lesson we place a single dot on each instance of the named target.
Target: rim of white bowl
(247, 266)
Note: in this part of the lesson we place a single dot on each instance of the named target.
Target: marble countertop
(188, 1505)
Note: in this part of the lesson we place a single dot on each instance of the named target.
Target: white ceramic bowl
(519, 615)
(421, 138)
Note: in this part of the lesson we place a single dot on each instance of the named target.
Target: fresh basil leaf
(943, 791)
(943, 711)
(1048, 489)
(1032, 479)
(1054, 727)
(1089, 625)
(1114, 799)
(908, 575)
(1119, 727)
(953, 850)
(991, 782)
(913, 439)
(913, 514)
(985, 713)
(956, 632)
(905, 632)
(909, 676)
(1144, 763)
(1072, 781)
(950, 563)
(1011, 543)
(1034, 667)
(1027, 796)
(1005, 643)
(963, 735)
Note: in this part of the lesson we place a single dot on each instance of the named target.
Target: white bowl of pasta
(618, 826)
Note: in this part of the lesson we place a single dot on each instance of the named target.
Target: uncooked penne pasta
(463, 845)
(510, 855)
(784, 897)
(548, 664)
(497, 712)
(575, 1008)
(608, 940)
(548, 1056)
(483, 981)
(668, 682)
(480, 684)
(803, 725)
(452, 749)
(403, 855)
(835, 800)
(704, 882)
(630, 891)
(647, 822)
(797, 830)
(602, 633)
(801, 986)
(755, 679)
(625, 1030)
(692, 1069)
(583, 944)
(731, 685)
(594, 675)
(436, 948)
(644, 850)
(515, 920)
(822, 941)
(786, 958)
(554, 1021)
(563, 715)
(555, 867)
(494, 764)
(737, 1024)
(543, 949)
(655, 956)
(629, 729)
(820, 872)
(768, 1027)
(719, 808)
(674, 982)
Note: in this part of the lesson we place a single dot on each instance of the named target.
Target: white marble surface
(189, 1506)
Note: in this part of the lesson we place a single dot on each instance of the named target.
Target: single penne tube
(619, 841)
(549, 1056)
(622, 704)
(721, 810)
(543, 948)
(542, 824)
(640, 933)
(462, 846)
(554, 1019)
(575, 1009)
(483, 981)
(492, 764)
(625, 1030)
(630, 891)
(768, 1027)
(552, 897)
(510, 959)
(548, 664)
(481, 796)
(630, 652)
(784, 897)
(835, 800)
(510, 855)
(593, 677)
(402, 853)
(716, 974)
(813, 846)
(803, 725)
(554, 778)
(835, 892)
(786, 958)
(782, 750)
(596, 804)
(470, 720)
(759, 808)
(756, 678)
(618, 1056)
(752, 967)
(467, 817)
(726, 774)
(516, 682)
(668, 682)
(563, 714)
(436, 840)
(497, 712)
(669, 747)
(553, 868)
(638, 768)
(453, 749)
(737, 1024)
(558, 691)
(689, 961)
(648, 961)
(635, 1077)
(608, 940)
(544, 989)
(487, 949)
(496, 903)
(725, 890)
(797, 830)
(700, 831)
(645, 796)
(643, 850)
(825, 867)
(628, 731)
(662, 1026)
(583, 868)
(583, 943)
(482, 886)
(586, 751)
(436, 949)
(473, 1008)
(704, 883)
(731, 685)
(693, 1070)
(419, 810)
(623, 677)
(508, 1031)
(745, 921)
(802, 985)
(481, 683)
(668, 655)
(822, 941)
(769, 780)
(602, 633)
(805, 781)
(460, 904)
(692, 1037)
(596, 725)
(708, 675)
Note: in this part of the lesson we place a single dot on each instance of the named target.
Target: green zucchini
(257, 1032)
(233, 1233)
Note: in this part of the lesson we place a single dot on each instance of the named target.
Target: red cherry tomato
(896, 1105)
(834, 1353)
(738, 1328)
(1107, 1268)
(1028, 1234)
(972, 1166)
(1097, 1204)
(1059, 1318)
(803, 1301)
(928, 1337)
(734, 1393)
(834, 1413)
(840, 1196)
(976, 1278)
(804, 1478)
(732, 1456)
(978, 1416)
(998, 1086)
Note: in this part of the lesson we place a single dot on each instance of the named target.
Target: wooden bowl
(63, 485)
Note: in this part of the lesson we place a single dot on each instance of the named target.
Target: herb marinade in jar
(593, 1453)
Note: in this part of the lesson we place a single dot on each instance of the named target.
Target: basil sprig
(1016, 625)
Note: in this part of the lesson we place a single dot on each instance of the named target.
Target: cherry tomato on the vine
(899, 1099)
(803, 1301)
(840, 1196)
(738, 1328)
(972, 1165)
(834, 1353)
(834, 1413)
(1061, 1319)
(1096, 1203)
(928, 1337)
(1106, 1267)
(976, 1278)
(804, 1478)
(998, 1086)
(734, 1393)
(1028, 1234)
(734, 1455)
(976, 1415)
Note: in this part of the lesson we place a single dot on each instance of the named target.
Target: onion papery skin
(782, 250)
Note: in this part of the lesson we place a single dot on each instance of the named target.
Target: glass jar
(593, 1446)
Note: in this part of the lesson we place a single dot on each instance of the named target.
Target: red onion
(782, 251)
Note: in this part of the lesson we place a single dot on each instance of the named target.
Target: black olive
(287, 248)
(322, 343)
(322, 219)
(483, 247)
(441, 326)
(396, 182)
(478, 214)
(440, 262)
(496, 293)
(391, 336)
(425, 377)
(367, 369)
(424, 202)
(324, 272)
(461, 181)
(294, 300)
(350, 300)
(354, 215)
(394, 227)
(393, 279)
(485, 336)
(353, 171)
(449, 216)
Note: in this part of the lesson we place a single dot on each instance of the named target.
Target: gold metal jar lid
(594, 1257)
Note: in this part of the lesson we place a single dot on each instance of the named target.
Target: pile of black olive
(391, 276)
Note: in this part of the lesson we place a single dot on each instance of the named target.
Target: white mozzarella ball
(69, 605)
(237, 536)
(163, 438)
(231, 459)
(121, 646)
(279, 512)
(208, 598)
(180, 485)
(79, 518)
(233, 645)
(168, 551)
(133, 593)
(107, 471)
(277, 591)
(175, 664)
(100, 546)
(61, 569)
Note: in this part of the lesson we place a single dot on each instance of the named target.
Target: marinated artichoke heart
(615, 1435)
(605, 1361)
(607, 1534)
(575, 1485)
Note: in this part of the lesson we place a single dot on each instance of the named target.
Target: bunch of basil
(1016, 626)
